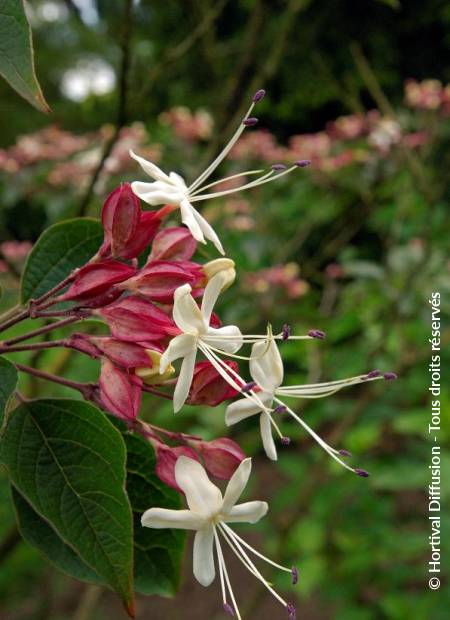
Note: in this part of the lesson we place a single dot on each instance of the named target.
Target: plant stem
(86, 389)
(155, 392)
(24, 314)
(87, 603)
(40, 300)
(35, 346)
(41, 330)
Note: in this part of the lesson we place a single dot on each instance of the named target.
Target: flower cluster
(165, 338)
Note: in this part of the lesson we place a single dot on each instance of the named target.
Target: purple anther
(228, 609)
(278, 167)
(259, 95)
(302, 163)
(285, 441)
(317, 333)
(390, 376)
(362, 472)
(248, 387)
(345, 453)
(285, 331)
(292, 614)
(280, 409)
(294, 573)
(373, 374)
(249, 122)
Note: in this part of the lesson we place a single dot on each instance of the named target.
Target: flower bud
(120, 392)
(158, 280)
(126, 354)
(208, 387)
(136, 320)
(166, 458)
(128, 229)
(150, 374)
(96, 279)
(120, 218)
(225, 266)
(221, 456)
(173, 244)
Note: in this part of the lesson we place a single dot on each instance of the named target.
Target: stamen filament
(222, 583)
(240, 552)
(250, 548)
(210, 169)
(224, 180)
(331, 451)
(261, 181)
(227, 579)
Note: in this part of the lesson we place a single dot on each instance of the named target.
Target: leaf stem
(34, 346)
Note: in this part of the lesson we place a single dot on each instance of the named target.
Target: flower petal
(202, 496)
(186, 313)
(236, 485)
(161, 518)
(180, 346)
(249, 512)
(157, 193)
(211, 294)
(184, 381)
(240, 410)
(151, 169)
(267, 368)
(266, 436)
(187, 217)
(228, 345)
(204, 570)
(208, 231)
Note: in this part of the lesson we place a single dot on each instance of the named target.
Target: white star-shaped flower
(266, 369)
(209, 514)
(172, 189)
(194, 323)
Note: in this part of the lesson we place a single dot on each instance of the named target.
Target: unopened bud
(159, 280)
(221, 456)
(225, 266)
(137, 320)
(173, 244)
(208, 387)
(96, 279)
(166, 458)
(150, 374)
(120, 391)
(120, 218)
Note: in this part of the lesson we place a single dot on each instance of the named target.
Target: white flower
(172, 189)
(266, 369)
(197, 334)
(208, 515)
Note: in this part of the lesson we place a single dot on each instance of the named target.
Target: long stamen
(224, 180)
(317, 388)
(225, 371)
(239, 551)
(265, 179)
(225, 572)
(328, 449)
(233, 534)
(210, 169)
(222, 583)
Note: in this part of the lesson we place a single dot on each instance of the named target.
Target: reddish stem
(41, 330)
(86, 389)
(36, 346)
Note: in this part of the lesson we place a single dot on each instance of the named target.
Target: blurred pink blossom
(187, 125)
(284, 277)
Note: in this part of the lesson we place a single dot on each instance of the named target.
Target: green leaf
(38, 532)
(8, 382)
(68, 462)
(16, 53)
(158, 553)
(60, 249)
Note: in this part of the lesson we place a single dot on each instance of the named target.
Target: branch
(122, 105)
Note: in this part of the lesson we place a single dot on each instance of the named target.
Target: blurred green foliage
(365, 242)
